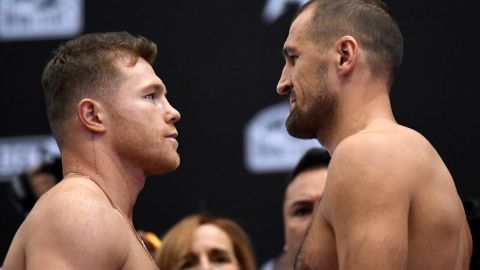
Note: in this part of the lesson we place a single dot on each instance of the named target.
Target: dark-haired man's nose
(285, 84)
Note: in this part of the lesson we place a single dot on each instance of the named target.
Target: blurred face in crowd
(302, 196)
(41, 183)
(211, 249)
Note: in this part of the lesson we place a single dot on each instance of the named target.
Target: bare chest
(138, 258)
(318, 250)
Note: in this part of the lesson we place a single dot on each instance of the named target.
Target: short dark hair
(312, 159)
(85, 67)
(370, 22)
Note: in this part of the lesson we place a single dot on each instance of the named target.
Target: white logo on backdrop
(18, 154)
(268, 146)
(274, 9)
(40, 19)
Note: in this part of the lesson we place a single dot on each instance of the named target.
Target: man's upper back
(389, 203)
(74, 226)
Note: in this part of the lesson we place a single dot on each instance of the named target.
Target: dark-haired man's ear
(90, 115)
(347, 50)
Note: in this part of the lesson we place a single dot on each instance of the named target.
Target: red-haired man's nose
(173, 115)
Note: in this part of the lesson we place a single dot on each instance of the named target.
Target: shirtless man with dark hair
(390, 201)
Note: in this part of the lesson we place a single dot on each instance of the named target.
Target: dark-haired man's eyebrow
(288, 51)
(302, 203)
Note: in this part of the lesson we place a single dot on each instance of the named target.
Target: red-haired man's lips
(173, 137)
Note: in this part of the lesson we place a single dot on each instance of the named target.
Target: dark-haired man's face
(301, 198)
(317, 110)
(305, 79)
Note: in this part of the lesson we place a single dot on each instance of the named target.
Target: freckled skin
(85, 221)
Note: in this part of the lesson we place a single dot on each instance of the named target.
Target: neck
(122, 182)
(357, 109)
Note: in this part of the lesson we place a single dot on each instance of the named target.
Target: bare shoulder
(380, 165)
(73, 221)
(390, 147)
(380, 183)
(73, 203)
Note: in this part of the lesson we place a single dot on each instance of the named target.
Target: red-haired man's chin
(165, 166)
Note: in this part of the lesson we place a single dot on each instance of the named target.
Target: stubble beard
(319, 113)
(143, 148)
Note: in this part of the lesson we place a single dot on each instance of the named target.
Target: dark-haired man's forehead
(301, 28)
(303, 19)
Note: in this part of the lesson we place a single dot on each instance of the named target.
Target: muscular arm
(367, 201)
